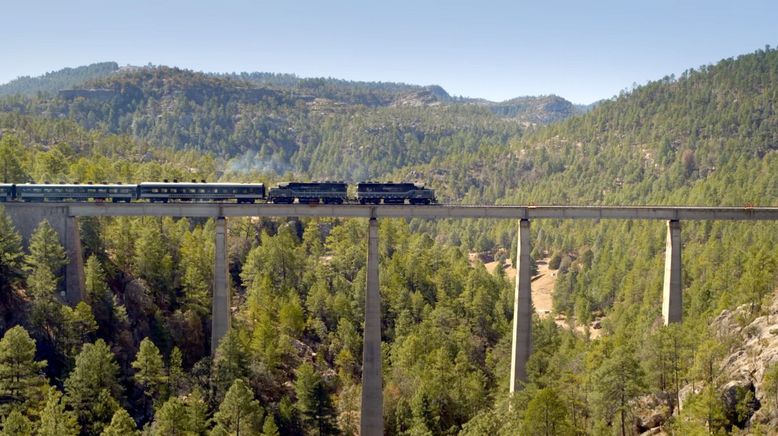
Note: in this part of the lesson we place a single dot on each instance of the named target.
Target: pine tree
(313, 401)
(277, 259)
(546, 414)
(121, 424)
(270, 428)
(770, 386)
(120, 236)
(46, 259)
(101, 414)
(704, 410)
(171, 418)
(708, 405)
(42, 284)
(154, 263)
(175, 372)
(10, 254)
(312, 240)
(10, 169)
(21, 380)
(92, 387)
(55, 420)
(198, 421)
(45, 249)
(287, 415)
(239, 413)
(150, 369)
(179, 416)
(197, 254)
(77, 327)
(16, 424)
(92, 232)
(619, 379)
(229, 363)
(98, 294)
(291, 318)
(46, 315)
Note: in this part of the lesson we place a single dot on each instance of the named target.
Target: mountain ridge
(54, 81)
(374, 94)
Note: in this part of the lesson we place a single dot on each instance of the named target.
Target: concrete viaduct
(63, 218)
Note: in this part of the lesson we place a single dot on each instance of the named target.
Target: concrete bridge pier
(672, 309)
(522, 310)
(372, 414)
(27, 218)
(220, 303)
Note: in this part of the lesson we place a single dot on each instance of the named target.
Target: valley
(136, 353)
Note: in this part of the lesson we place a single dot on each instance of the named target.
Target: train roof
(418, 185)
(75, 185)
(221, 184)
(285, 184)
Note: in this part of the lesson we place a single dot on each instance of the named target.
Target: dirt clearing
(542, 284)
(542, 292)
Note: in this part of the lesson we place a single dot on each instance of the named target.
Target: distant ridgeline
(323, 127)
(374, 94)
(52, 82)
(247, 95)
(539, 110)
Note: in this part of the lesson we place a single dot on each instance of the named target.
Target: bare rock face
(428, 96)
(740, 403)
(759, 349)
(742, 371)
(652, 411)
(685, 392)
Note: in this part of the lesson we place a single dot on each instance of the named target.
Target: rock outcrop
(740, 402)
(759, 339)
(652, 411)
(428, 96)
(742, 370)
(534, 110)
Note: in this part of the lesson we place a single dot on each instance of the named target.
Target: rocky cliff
(755, 350)
(751, 351)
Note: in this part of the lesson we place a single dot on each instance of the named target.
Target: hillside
(371, 94)
(52, 82)
(285, 129)
(668, 141)
(321, 128)
(535, 110)
(707, 137)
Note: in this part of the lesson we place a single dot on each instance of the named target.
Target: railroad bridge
(63, 217)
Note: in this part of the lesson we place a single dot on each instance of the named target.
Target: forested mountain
(322, 127)
(135, 353)
(535, 110)
(344, 91)
(52, 82)
(285, 130)
(708, 137)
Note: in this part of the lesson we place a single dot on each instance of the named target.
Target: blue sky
(580, 50)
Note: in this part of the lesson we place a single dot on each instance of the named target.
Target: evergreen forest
(134, 357)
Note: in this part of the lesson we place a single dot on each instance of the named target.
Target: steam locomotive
(164, 192)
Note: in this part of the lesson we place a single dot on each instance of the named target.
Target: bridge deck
(407, 211)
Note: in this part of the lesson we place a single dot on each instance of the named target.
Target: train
(309, 192)
(328, 192)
